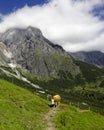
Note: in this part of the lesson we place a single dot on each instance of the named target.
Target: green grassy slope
(88, 86)
(20, 109)
(73, 119)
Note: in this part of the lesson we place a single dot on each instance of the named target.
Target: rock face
(94, 57)
(37, 54)
(5, 54)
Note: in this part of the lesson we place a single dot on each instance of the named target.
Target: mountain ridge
(93, 57)
(38, 55)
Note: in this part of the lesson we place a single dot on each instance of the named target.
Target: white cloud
(69, 23)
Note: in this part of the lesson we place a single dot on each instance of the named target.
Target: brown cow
(57, 99)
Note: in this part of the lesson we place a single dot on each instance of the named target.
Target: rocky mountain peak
(20, 34)
(37, 54)
(33, 31)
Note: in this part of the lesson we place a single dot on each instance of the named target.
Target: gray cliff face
(37, 54)
(5, 54)
(94, 57)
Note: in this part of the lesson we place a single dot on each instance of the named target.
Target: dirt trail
(49, 118)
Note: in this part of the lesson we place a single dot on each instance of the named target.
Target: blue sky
(99, 11)
(7, 6)
(74, 24)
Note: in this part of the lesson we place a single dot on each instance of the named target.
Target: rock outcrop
(5, 54)
(37, 54)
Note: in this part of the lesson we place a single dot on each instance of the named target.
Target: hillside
(71, 118)
(90, 72)
(92, 57)
(20, 109)
(23, 110)
(88, 86)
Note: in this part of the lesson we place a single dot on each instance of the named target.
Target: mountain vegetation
(24, 110)
(31, 67)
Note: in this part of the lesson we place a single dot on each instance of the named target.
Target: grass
(20, 109)
(72, 119)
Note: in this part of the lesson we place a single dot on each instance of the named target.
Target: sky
(76, 25)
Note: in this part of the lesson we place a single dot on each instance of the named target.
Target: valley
(31, 67)
(24, 110)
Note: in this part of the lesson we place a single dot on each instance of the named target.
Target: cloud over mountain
(70, 23)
